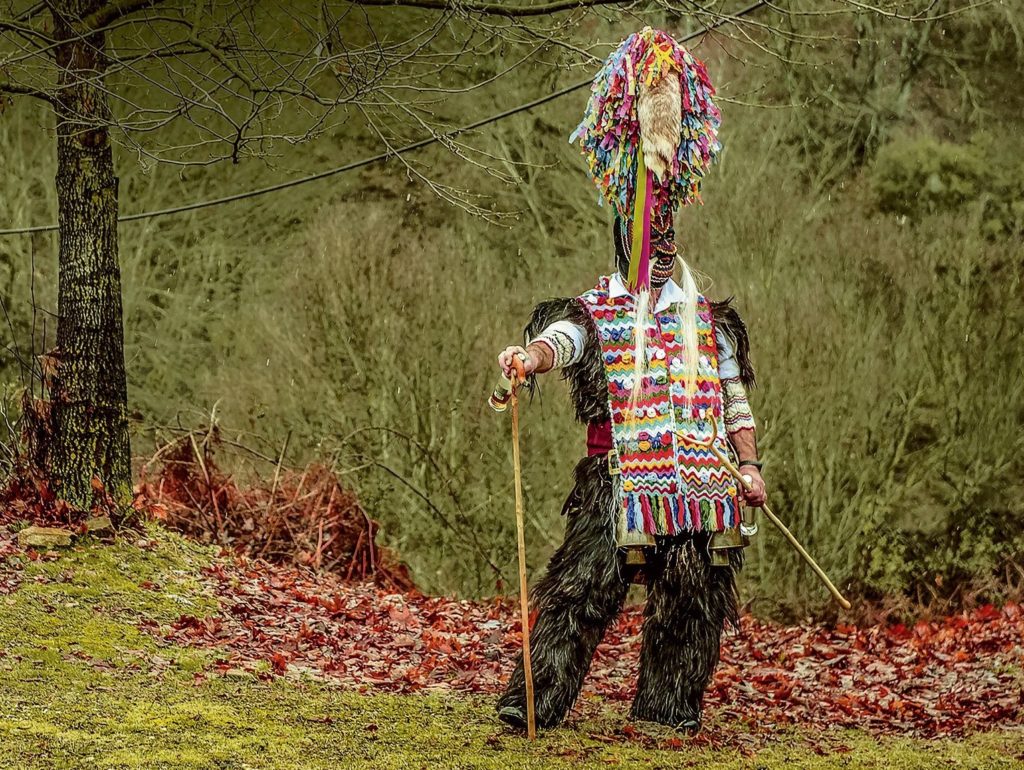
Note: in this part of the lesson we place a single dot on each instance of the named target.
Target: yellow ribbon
(636, 245)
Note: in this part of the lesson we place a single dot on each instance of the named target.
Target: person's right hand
(512, 351)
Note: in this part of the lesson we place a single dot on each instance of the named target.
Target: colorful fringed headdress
(649, 134)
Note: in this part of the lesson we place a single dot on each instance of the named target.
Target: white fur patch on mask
(659, 110)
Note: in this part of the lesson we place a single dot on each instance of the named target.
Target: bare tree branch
(20, 90)
(20, 27)
(238, 77)
(494, 9)
(31, 11)
(116, 10)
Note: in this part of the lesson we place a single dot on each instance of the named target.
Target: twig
(319, 545)
(209, 484)
(277, 475)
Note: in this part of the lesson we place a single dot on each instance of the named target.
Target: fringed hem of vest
(659, 515)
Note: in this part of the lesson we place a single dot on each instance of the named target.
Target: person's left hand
(757, 496)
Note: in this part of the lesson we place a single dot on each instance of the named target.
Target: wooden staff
(518, 378)
(744, 481)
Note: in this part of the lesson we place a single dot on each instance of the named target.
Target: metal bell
(723, 542)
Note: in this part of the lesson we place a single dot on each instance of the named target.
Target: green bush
(920, 176)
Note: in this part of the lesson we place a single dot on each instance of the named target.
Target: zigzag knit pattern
(668, 485)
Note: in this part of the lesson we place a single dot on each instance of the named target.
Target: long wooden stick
(842, 601)
(524, 603)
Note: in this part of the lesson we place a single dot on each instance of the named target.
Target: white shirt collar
(670, 292)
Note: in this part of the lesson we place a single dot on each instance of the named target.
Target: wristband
(752, 463)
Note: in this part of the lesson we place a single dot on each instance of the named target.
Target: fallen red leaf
(941, 678)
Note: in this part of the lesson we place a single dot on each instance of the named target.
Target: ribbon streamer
(640, 248)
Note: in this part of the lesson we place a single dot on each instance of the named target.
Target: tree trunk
(90, 450)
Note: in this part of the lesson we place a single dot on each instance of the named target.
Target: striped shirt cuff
(736, 408)
(565, 339)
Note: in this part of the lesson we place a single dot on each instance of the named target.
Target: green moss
(82, 687)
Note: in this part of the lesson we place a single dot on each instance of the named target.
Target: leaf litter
(940, 678)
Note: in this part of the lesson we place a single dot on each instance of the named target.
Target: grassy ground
(82, 686)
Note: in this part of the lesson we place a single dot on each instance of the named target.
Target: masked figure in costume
(651, 364)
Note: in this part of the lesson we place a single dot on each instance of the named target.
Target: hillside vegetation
(867, 218)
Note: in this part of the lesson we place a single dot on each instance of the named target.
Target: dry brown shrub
(300, 517)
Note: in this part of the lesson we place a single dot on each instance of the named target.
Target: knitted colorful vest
(667, 485)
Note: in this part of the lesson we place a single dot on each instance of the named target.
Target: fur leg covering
(688, 604)
(581, 594)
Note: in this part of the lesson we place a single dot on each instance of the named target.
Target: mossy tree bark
(89, 390)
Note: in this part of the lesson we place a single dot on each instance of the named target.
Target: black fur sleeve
(728, 320)
(586, 377)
